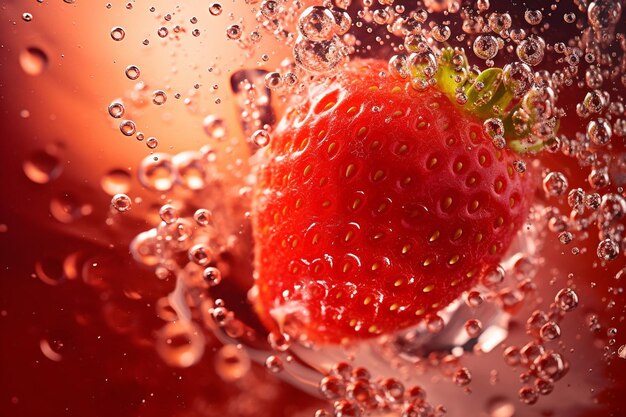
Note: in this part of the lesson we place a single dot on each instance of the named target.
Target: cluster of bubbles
(190, 246)
(354, 392)
(319, 48)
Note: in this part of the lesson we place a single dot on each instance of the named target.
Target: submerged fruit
(377, 205)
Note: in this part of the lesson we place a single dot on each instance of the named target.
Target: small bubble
(607, 250)
(203, 217)
(273, 80)
(261, 138)
(117, 34)
(485, 47)
(555, 184)
(520, 166)
(274, 364)
(215, 9)
(162, 32)
(121, 202)
(116, 109)
(27, 17)
(234, 32)
(212, 276)
(214, 127)
(434, 323)
(566, 238)
(152, 142)
(533, 17)
(528, 395)
(550, 331)
(156, 172)
(116, 181)
(473, 327)
(168, 213)
(621, 352)
(599, 132)
(317, 57)
(317, 23)
(200, 254)
(127, 127)
(462, 377)
(531, 50)
(43, 166)
(33, 61)
(132, 72)
(159, 97)
(332, 387)
(474, 299)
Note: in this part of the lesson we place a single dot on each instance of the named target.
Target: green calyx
(504, 95)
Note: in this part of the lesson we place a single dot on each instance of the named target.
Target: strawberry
(377, 205)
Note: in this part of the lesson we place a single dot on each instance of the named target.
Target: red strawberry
(376, 205)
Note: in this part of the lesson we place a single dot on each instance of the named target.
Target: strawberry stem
(487, 95)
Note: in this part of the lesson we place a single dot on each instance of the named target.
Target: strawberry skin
(377, 205)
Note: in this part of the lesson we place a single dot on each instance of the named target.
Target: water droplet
(116, 181)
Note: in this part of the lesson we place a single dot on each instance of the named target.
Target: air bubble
(132, 72)
(33, 61)
(159, 97)
(116, 109)
(485, 46)
(215, 9)
(607, 250)
(117, 34)
(121, 202)
(234, 32)
(555, 184)
(127, 127)
(317, 24)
